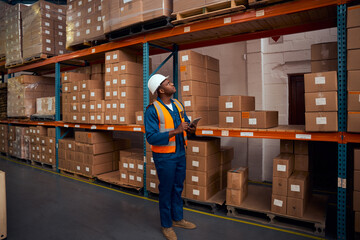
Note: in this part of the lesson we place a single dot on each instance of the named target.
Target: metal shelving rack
(299, 16)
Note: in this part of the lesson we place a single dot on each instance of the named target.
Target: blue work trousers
(171, 174)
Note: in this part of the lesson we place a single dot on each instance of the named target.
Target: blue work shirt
(154, 137)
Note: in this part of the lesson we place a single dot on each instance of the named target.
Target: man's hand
(191, 129)
(182, 127)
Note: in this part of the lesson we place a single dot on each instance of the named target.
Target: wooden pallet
(77, 175)
(212, 204)
(2, 58)
(262, 3)
(209, 11)
(257, 207)
(38, 57)
(43, 165)
(13, 65)
(113, 178)
(87, 44)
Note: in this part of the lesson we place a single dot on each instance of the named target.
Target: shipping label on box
(278, 204)
(283, 165)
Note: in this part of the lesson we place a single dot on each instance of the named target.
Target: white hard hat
(155, 81)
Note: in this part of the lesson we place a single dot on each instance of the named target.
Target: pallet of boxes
(3, 26)
(152, 180)
(42, 146)
(131, 168)
(353, 67)
(197, 73)
(123, 86)
(19, 142)
(90, 154)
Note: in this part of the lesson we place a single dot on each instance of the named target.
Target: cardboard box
(321, 122)
(192, 72)
(213, 90)
(301, 147)
(91, 84)
(353, 38)
(203, 146)
(130, 93)
(226, 154)
(353, 83)
(353, 59)
(234, 197)
(202, 193)
(296, 206)
(99, 148)
(224, 168)
(151, 171)
(236, 178)
(356, 180)
(236, 103)
(298, 185)
(278, 204)
(324, 51)
(286, 146)
(212, 77)
(324, 65)
(193, 88)
(353, 101)
(202, 163)
(353, 16)
(127, 80)
(127, 67)
(96, 94)
(321, 102)
(280, 186)
(353, 122)
(93, 170)
(139, 117)
(259, 119)
(283, 165)
(73, 77)
(230, 119)
(213, 104)
(152, 185)
(356, 201)
(212, 63)
(320, 82)
(90, 159)
(199, 178)
(189, 57)
(195, 103)
(301, 163)
(356, 159)
(120, 55)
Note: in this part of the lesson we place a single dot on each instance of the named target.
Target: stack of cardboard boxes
(324, 57)
(321, 102)
(200, 86)
(42, 145)
(84, 22)
(202, 168)
(152, 181)
(291, 187)
(13, 34)
(230, 108)
(21, 143)
(4, 144)
(23, 92)
(353, 67)
(45, 106)
(120, 14)
(43, 26)
(4, 7)
(226, 156)
(131, 166)
(123, 87)
(237, 187)
(90, 153)
(356, 193)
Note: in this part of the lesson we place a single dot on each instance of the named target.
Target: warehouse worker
(166, 126)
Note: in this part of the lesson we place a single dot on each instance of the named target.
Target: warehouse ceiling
(13, 2)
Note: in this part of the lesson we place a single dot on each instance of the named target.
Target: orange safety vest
(166, 124)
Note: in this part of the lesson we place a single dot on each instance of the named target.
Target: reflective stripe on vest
(166, 124)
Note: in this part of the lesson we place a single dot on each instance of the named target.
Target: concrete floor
(44, 205)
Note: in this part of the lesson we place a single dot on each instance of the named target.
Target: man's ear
(161, 90)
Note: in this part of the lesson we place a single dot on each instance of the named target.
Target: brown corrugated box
(356, 159)
(353, 16)
(237, 178)
(96, 94)
(353, 38)
(202, 193)
(130, 68)
(183, 5)
(230, 119)
(298, 185)
(321, 102)
(130, 93)
(189, 57)
(139, 117)
(120, 55)
(213, 104)
(212, 77)
(353, 59)
(324, 65)
(321, 122)
(278, 204)
(236, 103)
(192, 72)
(212, 63)
(195, 103)
(357, 221)
(286, 146)
(353, 83)
(200, 163)
(353, 101)
(259, 119)
(324, 51)
(356, 201)
(200, 178)
(213, 90)
(73, 77)
(91, 84)
(94, 170)
(203, 146)
(128, 80)
(280, 186)
(99, 148)
(152, 185)
(320, 82)
(301, 147)
(296, 206)
(235, 197)
(226, 154)
(193, 88)
(301, 163)
(283, 165)
(353, 122)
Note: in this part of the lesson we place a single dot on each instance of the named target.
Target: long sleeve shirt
(155, 137)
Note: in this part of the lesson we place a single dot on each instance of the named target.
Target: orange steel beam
(351, 137)
(2, 63)
(250, 15)
(307, 136)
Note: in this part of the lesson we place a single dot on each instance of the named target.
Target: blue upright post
(175, 69)
(342, 120)
(146, 70)
(57, 111)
